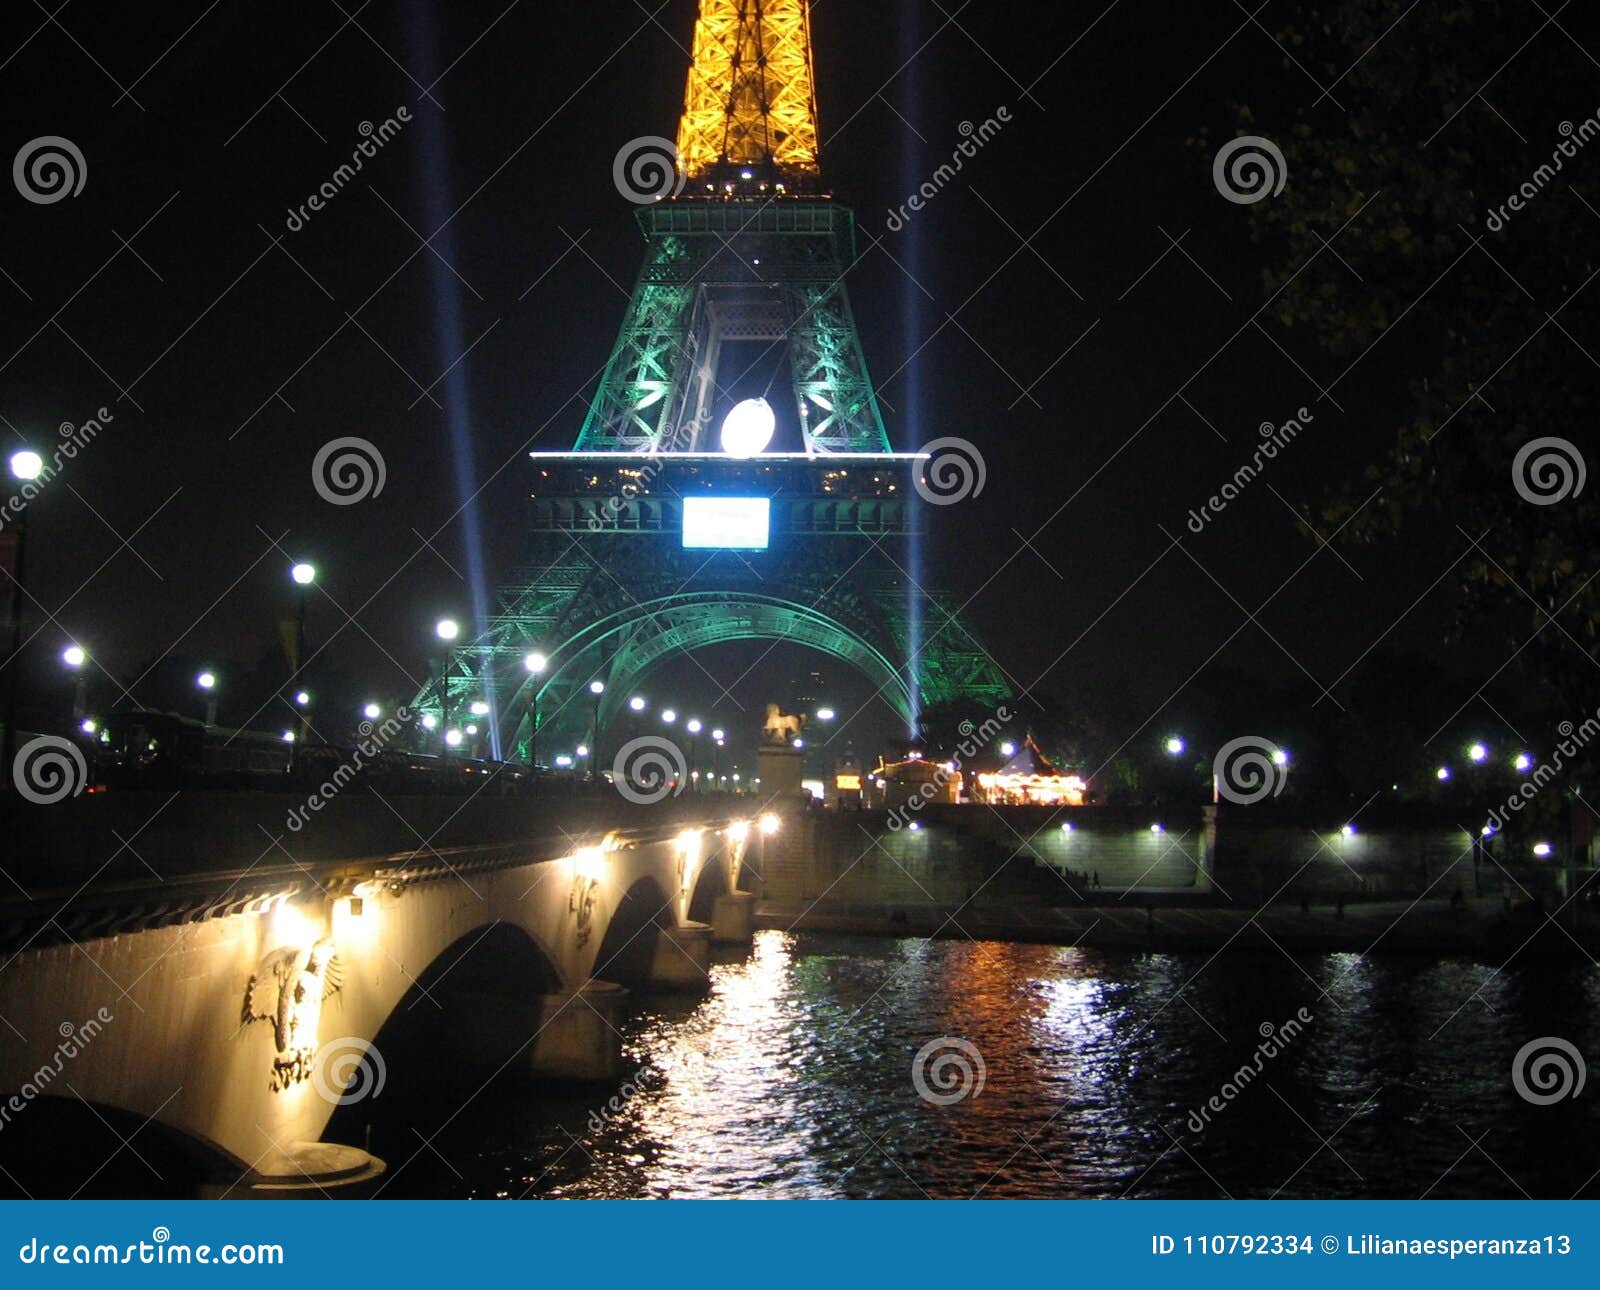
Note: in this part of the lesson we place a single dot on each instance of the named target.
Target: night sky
(229, 349)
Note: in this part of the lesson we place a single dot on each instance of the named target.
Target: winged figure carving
(288, 988)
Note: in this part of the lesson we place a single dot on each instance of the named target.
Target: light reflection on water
(793, 1078)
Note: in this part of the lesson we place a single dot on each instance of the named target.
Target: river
(795, 1077)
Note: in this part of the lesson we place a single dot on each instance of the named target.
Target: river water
(795, 1078)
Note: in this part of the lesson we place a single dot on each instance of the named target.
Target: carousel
(1029, 779)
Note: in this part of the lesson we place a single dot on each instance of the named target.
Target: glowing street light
(303, 573)
(1008, 749)
(27, 465)
(1541, 849)
(825, 714)
(372, 712)
(452, 738)
(1523, 761)
(1478, 753)
(668, 716)
(597, 687)
(446, 629)
(302, 699)
(534, 663)
(75, 656)
(636, 703)
(1175, 745)
(429, 721)
(718, 734)
(479, 708)
(1280, 756)
(583, 750)
(1442, 774)
(207, 682)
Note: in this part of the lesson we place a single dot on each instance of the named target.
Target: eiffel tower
(650, 539)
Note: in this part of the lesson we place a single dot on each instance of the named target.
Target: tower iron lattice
(751, 252)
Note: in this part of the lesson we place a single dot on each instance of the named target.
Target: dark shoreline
(1482, 929)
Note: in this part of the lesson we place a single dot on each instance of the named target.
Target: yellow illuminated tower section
(750, 102)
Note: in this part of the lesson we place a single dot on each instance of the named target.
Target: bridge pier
(733, 918)
(682, 958)
(579, 1034)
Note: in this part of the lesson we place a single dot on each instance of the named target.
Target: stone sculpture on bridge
(297, 1011)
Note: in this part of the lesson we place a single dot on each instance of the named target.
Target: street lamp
(1175, 746)
(597, 687)
(668, 716)
(75, 656)
(534, 663)
(303, 575)
(446, 629)
(207, 681)
(694, 727)
(825, 714)
(26, 466)
(372, 712)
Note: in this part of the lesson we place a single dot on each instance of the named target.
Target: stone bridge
(188, 961)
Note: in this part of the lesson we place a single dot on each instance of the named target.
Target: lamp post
(75, 656)
(446, 629)
(597, 687)
(717, 737)
(26, 466)
(693, 727)
(207, 682)
(303, 575)
(535, 663)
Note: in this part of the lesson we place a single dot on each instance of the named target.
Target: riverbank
(1170, 924)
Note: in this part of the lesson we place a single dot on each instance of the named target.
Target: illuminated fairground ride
(1029, 779)
(673, 525)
